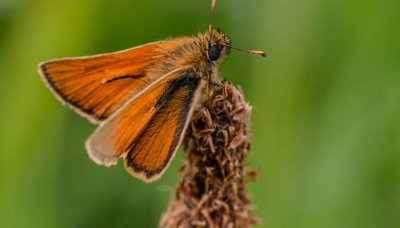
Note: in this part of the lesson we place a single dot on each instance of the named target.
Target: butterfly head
(217, 45)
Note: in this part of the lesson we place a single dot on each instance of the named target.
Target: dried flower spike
(212, 191)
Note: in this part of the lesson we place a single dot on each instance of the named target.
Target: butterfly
(142, 98)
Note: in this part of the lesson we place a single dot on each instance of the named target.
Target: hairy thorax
(191, 53)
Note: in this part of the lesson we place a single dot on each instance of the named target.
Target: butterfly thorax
(192, 53)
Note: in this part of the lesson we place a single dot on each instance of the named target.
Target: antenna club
(260, 53)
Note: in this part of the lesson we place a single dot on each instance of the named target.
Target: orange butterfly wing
(168, 99)
(96, 86)
(153, 150)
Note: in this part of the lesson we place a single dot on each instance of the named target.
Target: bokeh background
(326, 119)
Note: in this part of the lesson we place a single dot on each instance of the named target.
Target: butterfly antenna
(259, 53)
(211, 14)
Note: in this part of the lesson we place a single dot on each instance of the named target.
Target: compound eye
(213, 53)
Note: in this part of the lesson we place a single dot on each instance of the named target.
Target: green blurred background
(326, 119)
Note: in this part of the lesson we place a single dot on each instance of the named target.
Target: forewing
(116, 136)
(96, 86)
(153, 150)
